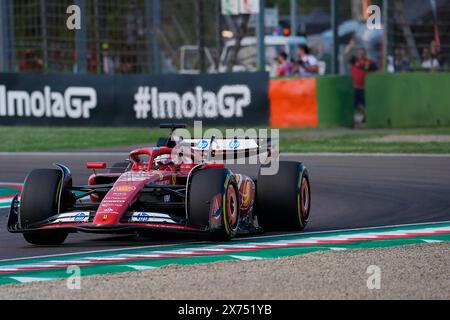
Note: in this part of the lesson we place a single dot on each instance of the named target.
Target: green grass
(354, 145)
(355, 141)
(292, 140)
(63, 138)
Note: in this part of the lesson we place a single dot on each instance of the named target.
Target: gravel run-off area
(408, 272)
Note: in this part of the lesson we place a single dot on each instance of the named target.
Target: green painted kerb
(249, 249)
(5, 192)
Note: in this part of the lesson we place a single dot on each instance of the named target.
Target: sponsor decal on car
(215, 221)
(110, 201)
(247, 194)
(151, 217)
(70, 217)
(115, 199)
(117, 195)
(135, 176)
(80, 217)
(111, 207)
(142, 216)
(124, 188)
(222, 145)
(203, 144)
(234, 144)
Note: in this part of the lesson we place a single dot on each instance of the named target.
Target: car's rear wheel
(39, 201)
(213, 194)
(283, 200)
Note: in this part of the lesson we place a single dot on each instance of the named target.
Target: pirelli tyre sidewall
(40, 201)
(283, 200)
(214, 188)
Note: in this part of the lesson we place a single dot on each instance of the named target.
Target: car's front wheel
(214, 202)
(40, 201)
(45, 238)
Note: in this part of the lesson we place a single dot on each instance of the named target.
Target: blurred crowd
(305, 64)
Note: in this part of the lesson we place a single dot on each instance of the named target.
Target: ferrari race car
(174, 187)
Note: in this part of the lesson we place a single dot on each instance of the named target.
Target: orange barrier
(293, 103)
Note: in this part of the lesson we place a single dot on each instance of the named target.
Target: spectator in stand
(429, 61)
(361, 66)
(32, 62)
(92, 61)
(284, 67)
(401, 62)
(108, 61)
(307, 65)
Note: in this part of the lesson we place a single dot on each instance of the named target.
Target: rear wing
(208, 148)
(222, 145)
(238, 147)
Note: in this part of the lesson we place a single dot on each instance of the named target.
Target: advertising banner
(134, 100)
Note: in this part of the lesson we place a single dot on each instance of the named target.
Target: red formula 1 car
(176, 187)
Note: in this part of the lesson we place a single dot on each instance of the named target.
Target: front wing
(82, 221)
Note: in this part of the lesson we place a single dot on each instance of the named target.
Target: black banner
(232, 308)
(237, 99)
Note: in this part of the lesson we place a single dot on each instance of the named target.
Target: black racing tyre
(46, 238)
(119, 167)
(283, 200)
(204, 187)
(39, 201)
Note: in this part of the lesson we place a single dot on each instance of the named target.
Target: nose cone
(124, 192)
(117, 201)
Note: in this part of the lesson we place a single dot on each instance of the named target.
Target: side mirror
(96, 165)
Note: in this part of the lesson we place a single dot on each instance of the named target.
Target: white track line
(138, 267)
(30, 279)
(99, 251)
(340, 230)
(246, 258)
(10, 184)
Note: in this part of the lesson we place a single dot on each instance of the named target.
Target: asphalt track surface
(348, 192)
